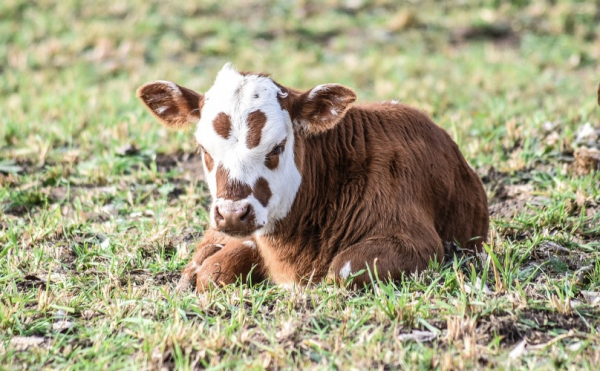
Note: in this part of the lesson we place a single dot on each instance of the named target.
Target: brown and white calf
(308, 185)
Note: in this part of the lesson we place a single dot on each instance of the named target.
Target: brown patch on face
(208, 161)
(262, 191)
(256, 122)
(230, 189)
(222, 125)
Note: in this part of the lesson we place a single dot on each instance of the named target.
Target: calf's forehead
(237, 94)
(237, 108)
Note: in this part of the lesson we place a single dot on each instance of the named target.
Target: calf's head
(247, 126)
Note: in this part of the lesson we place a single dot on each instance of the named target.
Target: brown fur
(222, 125)
(180, 110)
(397, 187)
(223, 260)
(262, 191)
(230, 189)
(256, 122)
(235, 261)
(208, 160)
(324, 110)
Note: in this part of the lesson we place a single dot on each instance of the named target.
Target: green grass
(100, 206)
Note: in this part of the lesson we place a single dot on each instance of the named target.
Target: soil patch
(535, 325)
(140, 277)
(191, 163)
(499, 33)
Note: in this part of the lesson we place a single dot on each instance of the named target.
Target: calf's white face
(246, 132)
(247, 141)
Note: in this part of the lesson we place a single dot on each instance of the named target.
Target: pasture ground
(100, 206)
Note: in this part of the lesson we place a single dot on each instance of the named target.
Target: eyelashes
(278, 149)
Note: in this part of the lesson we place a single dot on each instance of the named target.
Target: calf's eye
(277, 150)
(272, 159)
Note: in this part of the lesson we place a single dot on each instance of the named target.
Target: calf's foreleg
(222, 260)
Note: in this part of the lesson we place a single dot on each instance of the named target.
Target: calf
(308, 185)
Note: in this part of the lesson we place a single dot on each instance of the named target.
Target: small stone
(24, 342)
(518, 350)
(592, 297)
(418, 336)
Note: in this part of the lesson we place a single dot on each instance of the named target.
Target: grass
(100, 206)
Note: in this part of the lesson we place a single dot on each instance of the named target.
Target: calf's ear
(173, 105)
(322, 107)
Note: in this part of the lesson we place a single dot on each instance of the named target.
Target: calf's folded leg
(226, 248)
(237, 260)
(387, 258)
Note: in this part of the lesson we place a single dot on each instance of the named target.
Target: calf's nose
(235, 218)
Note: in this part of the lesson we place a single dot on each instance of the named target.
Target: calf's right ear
(323, 107)
(173, 105)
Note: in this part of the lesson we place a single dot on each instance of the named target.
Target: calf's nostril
(245, 214)
(218, 216)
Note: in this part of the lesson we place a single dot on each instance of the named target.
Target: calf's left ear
(173, 105)
(322, 107)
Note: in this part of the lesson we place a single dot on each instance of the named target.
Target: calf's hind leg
(387, 258)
